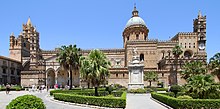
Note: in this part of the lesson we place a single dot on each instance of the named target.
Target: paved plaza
(5, 99)
(142, 101)
(134, 101)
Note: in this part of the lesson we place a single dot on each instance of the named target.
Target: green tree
(175, 89)
(99, 66)
(68, 57)
(177, 51)
(85, 69)
(201, 85)
(151, 76)
(193, 68)
(214, 64)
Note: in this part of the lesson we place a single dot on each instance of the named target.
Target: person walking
(8, 88)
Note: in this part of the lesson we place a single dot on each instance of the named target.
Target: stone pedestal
(136, 79)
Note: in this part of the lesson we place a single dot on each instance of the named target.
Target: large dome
(135, 20)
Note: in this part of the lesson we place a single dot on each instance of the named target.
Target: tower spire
(12, 33)
(135, 11)
(29, 21)
(200, 14)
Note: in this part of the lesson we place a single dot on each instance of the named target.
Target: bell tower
(199, 26)
(30, 33)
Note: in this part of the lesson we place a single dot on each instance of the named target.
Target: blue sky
(100, 23)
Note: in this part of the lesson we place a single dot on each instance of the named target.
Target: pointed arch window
(145, 37)
(137, 36)
(141, 57)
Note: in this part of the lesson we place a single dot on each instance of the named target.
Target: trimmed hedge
(87, 92)
(187, 103)
(16, 88)
(137, 91)
(162, 89)
(154, 89)
(93, 100)
(26, 102)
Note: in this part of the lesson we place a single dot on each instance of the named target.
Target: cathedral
(40, 67)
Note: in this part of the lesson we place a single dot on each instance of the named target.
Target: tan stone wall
(15, 54)
(123, 82)
(189, 42)
(29, 79)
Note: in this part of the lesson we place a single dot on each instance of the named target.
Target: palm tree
(85, 69)
(150, 76)
(177, 51)
(214, 64)
(200, 85)
(193, 68)
(68, 57)
(99, 68)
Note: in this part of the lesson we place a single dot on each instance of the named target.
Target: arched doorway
(50, 78)
(62, 78)
(188, 54)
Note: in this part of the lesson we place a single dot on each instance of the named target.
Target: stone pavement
(142, 101)
(5, 99)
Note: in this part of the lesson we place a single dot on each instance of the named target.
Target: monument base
(135, 86)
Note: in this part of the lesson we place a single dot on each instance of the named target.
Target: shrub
(149, 90)
(154, 89)
(117, 93)
(26, 102)
(171, 94)
(123, 89)
(162, 89)
(109, 89)
(187, 103)
(184, 97)
(70, 91)
(140, 90)
(87, 92)
(175, 89)
(180, 94)
(93, 100)
(13, 88)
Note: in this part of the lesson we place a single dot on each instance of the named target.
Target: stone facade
(10, 71)
(40, 66)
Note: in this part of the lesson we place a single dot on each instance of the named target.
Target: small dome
(135, 20)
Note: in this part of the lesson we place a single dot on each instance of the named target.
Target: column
(56, 77)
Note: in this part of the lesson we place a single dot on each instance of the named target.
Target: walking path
(5, 99)
(134, 101)
(142, 101)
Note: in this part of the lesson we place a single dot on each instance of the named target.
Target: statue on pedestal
(135, 68)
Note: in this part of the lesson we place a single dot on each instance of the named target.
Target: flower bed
(187, 103)
(104, 101)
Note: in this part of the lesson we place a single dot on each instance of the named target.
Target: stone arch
(26, 65)
(163, 54)
(188, 53)
(62, 77)
(51, 77)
